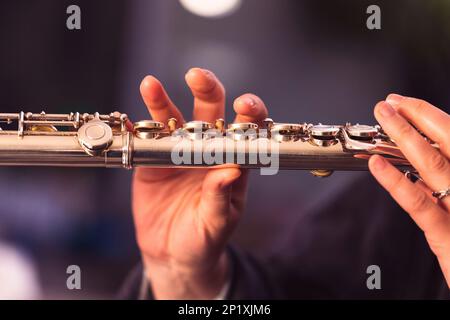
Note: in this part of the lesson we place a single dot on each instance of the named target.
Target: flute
(96, 140)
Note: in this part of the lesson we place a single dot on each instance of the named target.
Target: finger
(429, 193)
(209, 94)
(161, 108)
(433, 122)
(250, 108)
(417, 180)
(432, 165)
(214, 207)
(428, 216)
(239, 190)
(427, 190)
(159, 105)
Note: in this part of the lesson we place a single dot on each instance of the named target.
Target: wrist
(174, 282)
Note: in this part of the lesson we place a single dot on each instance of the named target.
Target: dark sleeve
(248, 280)
(134, 287)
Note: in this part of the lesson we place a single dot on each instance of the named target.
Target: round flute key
(362, 131)
(323, 135)
(198, 130)
(95, 136)
(283, 132)
(324, 131)
(95, 132)
(148, 125)
(287, 128)
(243, 130)
(146, 129)
(197, 126)
(242, 126)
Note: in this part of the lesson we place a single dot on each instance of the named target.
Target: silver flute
(96, 140)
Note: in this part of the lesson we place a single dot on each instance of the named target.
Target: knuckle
(405, 131)
(394, 182)
(414, 106)
(411, 102)
(436, 162)
(419, 202)
(420, 104)
(418, 107)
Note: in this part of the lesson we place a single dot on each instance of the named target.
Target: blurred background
(310, 60)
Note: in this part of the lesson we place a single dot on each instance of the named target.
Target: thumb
(215, 201)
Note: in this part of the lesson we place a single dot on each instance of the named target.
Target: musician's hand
(184, 217)
(430, 214)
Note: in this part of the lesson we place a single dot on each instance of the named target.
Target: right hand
(184, 217)
(398, 115)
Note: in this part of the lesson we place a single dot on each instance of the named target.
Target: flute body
(94, 140)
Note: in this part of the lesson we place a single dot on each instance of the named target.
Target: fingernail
(200, 79)
(379, 163)
(193, 71)
(207, 72)
(394, 99)
(247, 101)
(386, 110)
(152, 88)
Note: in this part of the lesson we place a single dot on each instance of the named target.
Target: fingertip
(232, 173)
(201, 80)
(221, 179)
(149, 81)
(377, 106)
(229, 175)
(394, 99)
(151, 88)
(192, 74)
(377, 164)
(247, 104)
(383, 110)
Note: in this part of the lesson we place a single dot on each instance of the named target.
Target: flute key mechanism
(111, 140)
(324, 135)
(95, 136)
(242, 131)
(198, 130)
(362, 132)
(283, 132)
(147, 129)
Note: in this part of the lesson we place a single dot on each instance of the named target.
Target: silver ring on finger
(442, 193)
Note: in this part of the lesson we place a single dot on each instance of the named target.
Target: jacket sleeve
(248, 280)
(135, 286)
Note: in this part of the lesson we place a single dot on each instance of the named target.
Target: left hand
(430, 214)
(184, 218)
